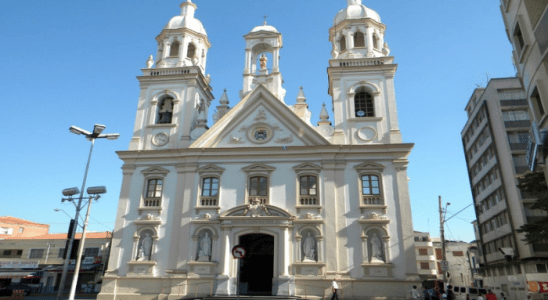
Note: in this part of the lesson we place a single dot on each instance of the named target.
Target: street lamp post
(91, 136)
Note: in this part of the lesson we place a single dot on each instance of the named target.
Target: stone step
(243, 297)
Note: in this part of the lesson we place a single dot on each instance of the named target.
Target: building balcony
(518, 146)
(424, 244)
(361, 62)
(424, 272)
(426, 257)
(519, 102)
(517, 124)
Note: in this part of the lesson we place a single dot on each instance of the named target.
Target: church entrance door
(257, 267)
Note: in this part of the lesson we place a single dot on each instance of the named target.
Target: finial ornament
(264, 20)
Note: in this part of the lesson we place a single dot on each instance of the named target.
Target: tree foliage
(534, 183)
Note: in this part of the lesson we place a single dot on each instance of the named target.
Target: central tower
(263, 43)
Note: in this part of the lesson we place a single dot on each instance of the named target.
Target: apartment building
(526, 23)
(495, 140)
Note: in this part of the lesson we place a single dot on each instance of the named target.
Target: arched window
(174, 51)
(375, 42)
(191, 51)
(342, 43)
(370, 185)
(165, 111)
(363, 104)
(359, 40)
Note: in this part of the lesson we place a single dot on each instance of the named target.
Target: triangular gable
(155, 171)
(211, 169)
(369, 166)
(260, 115)
(258, 168)
(308, 167)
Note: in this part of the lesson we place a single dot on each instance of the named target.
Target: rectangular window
(515, 115)
(423, 251)
(91, 252)
(7, 252)
(439, 255)
(5, 230)
(36, 253)
(370, 185)
(308, 185)
(210, 187)
(519, 42)
(541, 268)
(537, 104)
(154, 188)
(258, 186)
(61, 253)
(425, 265)
(21, 229)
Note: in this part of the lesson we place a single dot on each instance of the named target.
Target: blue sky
(74, 63)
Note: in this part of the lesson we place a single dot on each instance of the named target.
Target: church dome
(186, 19)
(265, 27)
(356, 10)
(178, 22)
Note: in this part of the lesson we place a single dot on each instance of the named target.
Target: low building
(460, 256)
(38, 261)
(15, 227)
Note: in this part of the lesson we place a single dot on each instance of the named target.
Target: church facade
(299, 204)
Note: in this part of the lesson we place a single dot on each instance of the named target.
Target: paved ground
(53, 297)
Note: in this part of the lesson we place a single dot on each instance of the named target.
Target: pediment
(258, 168)
(308, 167)
(260, 120)
(261, 211)
(211, 169)
(369, 166)
(155, 171)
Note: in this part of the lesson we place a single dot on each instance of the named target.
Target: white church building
(305, 203)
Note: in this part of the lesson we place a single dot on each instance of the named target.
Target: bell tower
(175, 93)
(263, 41)
(361, 78)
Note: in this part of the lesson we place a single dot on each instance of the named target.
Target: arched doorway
(256, 270)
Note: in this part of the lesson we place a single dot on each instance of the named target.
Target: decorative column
(181, 52)
(167, 45)
(369, 37)
(351, 107)
(136, 238)
(286, 252)
(386, 248)
(226, 255)
(247, 68)
(298, 250)
(276, 60)
(319, 247)
(364, 249)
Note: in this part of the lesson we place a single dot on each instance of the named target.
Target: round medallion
(260, 133)
(160, 139)
(367, 133)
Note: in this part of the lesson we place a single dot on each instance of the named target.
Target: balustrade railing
(152, 202)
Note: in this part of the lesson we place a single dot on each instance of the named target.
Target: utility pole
(442, 235)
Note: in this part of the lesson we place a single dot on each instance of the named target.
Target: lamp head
(71, 192)
(56, 209)
(98, 128)
(96, 190)
(111, 136)
(78, 130)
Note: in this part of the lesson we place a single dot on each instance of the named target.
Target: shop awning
(16, 274)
